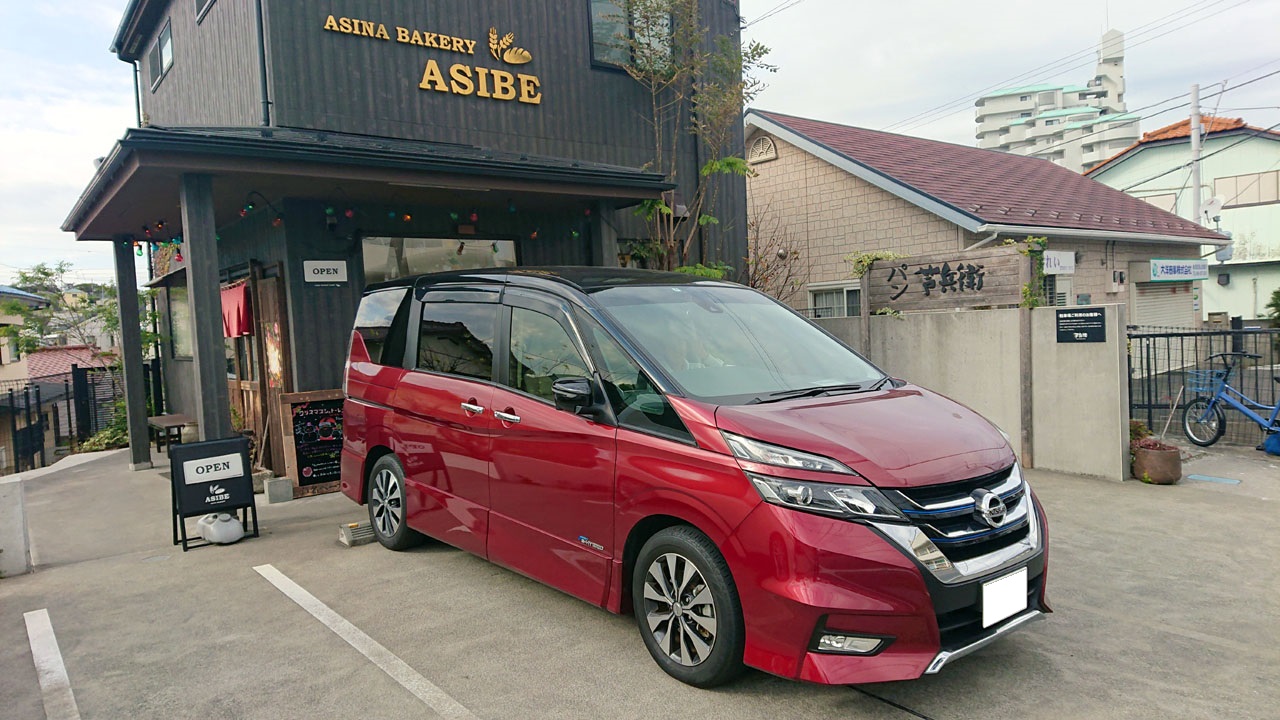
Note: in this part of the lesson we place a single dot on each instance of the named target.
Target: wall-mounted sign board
(325, 271)
(1082, 325)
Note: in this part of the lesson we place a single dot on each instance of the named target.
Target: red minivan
(695, 453)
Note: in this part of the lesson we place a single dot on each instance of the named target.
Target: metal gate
(1159, 363)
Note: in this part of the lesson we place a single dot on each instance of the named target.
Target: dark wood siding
(321, 316)
(214, 79)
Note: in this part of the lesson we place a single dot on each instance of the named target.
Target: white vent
(762, 150)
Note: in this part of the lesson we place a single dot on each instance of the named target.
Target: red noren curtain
(237, 320)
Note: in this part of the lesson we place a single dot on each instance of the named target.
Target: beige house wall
(831, 215)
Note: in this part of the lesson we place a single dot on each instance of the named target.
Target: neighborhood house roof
(10, 292)
(50, 361)
(985, 190)
(1181, 130)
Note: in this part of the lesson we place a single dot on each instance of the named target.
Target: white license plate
(1004, 597)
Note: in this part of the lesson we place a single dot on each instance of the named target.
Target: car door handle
(472, 409)
(506, 417)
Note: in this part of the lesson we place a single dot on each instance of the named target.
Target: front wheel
(687, 608)
(1202, 425)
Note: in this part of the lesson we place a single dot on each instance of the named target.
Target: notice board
(210, 477)
(312, 431)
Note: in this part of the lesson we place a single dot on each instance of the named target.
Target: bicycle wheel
(1203, 426)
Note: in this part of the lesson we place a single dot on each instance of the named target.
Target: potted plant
(1153, 462)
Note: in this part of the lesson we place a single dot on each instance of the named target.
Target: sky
(64, 99)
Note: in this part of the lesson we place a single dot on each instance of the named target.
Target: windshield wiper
(805, 392)
(879, 383)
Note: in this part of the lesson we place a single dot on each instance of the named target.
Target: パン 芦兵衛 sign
(459, 78)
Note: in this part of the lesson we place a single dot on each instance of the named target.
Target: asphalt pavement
(1166, 602)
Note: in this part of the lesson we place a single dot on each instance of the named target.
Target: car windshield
(734, 345)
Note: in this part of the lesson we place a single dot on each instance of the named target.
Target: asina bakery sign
(459, 78)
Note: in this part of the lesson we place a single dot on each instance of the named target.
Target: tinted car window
(636, 402)
(731, 344)
(374, 321)
(458, 339)
(541, 353)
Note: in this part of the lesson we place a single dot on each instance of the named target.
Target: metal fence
(1160, 360)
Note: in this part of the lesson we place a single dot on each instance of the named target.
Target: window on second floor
(160, 59)
(1253, 189)
(609, 33)
(620, 37)
(829, 302)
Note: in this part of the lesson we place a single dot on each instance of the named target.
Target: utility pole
(1195, 155)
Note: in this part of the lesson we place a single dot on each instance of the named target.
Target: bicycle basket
(1205, 381)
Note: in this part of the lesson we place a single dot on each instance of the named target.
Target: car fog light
(849, 644)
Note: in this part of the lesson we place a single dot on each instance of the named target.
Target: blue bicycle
(1204, 421)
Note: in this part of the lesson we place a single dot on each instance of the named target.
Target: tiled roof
(994, 187)
(59, 359)
(1182, 129)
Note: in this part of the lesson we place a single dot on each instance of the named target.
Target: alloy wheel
(387, 503)
(679, 609)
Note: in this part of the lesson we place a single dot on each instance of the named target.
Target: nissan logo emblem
(988, 507)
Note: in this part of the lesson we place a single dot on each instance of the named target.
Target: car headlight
(764, 453)
(852, 502)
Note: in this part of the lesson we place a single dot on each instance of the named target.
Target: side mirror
(572, 393)
(582, 396)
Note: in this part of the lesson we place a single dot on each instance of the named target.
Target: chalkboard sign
(313, 440)
(210, 477)
(1082, 325)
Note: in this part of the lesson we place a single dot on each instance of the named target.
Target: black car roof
(582, 279)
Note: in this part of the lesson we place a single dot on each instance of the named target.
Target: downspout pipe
(137, 92)
(994, 234)
(262, 68)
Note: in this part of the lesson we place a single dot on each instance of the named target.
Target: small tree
(774, 263)
(1273, 308)
(697, 87)
(73, 314)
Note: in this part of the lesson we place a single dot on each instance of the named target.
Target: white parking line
(435, 698)
(55, 687)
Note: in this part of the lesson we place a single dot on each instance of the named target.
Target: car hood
(903, 437)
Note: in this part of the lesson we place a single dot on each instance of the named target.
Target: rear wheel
(1202, 425)
(386, 505)
(687, 608)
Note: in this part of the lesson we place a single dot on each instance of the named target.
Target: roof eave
(1112, 235)
(867, 173)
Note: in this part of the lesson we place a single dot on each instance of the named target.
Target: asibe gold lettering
(462, 83)
(504, 85)
(483, 75)
(432, 79)
(529, 90)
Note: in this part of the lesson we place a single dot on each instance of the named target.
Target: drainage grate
(353, 534)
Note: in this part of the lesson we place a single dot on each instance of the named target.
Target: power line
(1218, 95)
(1057, 67)
(786, 5)
(1023, 76)
(1250, 136)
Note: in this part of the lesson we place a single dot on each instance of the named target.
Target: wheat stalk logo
(502, 48)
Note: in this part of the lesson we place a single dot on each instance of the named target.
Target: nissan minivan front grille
(952, 516)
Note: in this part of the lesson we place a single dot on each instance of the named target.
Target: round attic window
(762, 150)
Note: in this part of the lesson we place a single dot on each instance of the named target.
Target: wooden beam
(131, 356)
(200, 245)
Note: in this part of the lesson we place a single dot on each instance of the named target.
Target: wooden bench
(167, 429)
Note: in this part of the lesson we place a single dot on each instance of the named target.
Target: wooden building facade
(303, 150)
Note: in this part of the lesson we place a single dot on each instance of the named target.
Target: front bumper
(799, 575)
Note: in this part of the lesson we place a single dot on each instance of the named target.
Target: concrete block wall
(971, 357)
(1080, 398)
(1078, 392)
(15, 546)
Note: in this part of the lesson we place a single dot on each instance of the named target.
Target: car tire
(681, 581)
(387, 507)
(1206, 433)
